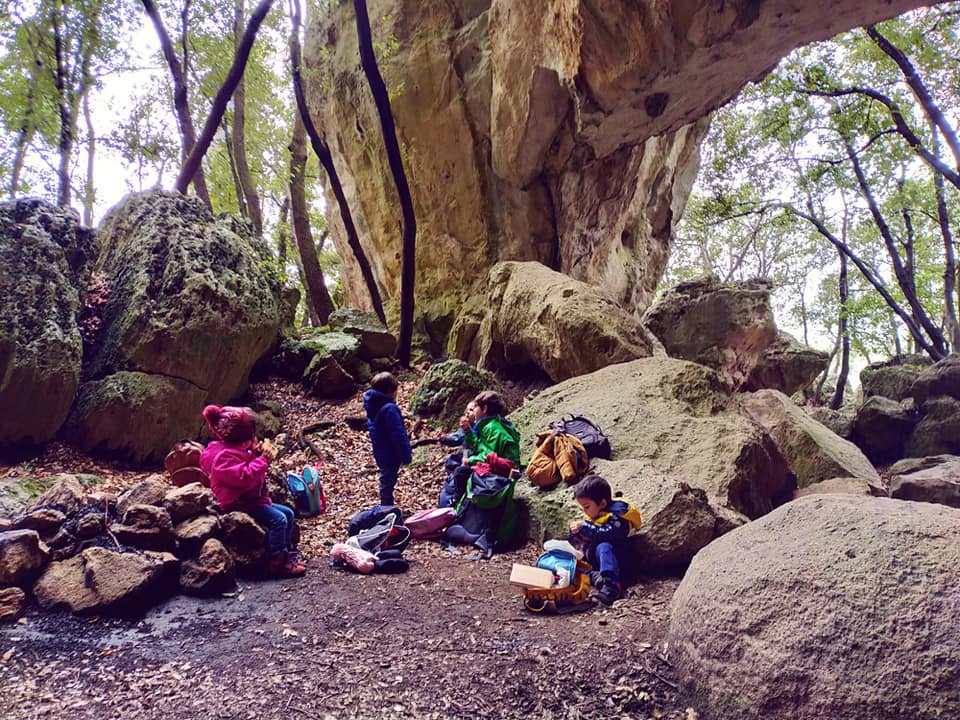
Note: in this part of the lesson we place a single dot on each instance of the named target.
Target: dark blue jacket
(388, 434)
(610, 527)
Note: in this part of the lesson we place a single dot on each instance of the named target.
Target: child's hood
(373, 400)
(623, 509)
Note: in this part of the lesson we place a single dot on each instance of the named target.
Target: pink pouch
(430, 523)
(360, 560)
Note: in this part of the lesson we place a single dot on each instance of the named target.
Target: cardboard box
(531, 577)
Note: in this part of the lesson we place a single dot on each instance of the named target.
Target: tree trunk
(326, 160)
(237, 189)
(318, 297)
(409, 229)
(250, 197)
(88, 190)
(192, 164)
(949, 257)
(843, 335)
(181, 105)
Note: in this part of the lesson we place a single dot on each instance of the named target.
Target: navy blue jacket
(391, 444)
(610, 527)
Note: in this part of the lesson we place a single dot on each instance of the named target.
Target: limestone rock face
(670, 422)
(787, 365)
(721, 326)
(12, 602)
(941, 378)
(813, 452)
(833, 606)
(938, 431)
(535, 316)
(556, 131)
(933, 479)
(45, 263)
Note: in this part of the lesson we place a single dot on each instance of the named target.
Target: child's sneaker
(294, 566)
(608, 592)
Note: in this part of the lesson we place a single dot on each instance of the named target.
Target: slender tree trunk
(409, 228)
(318, 297)
(65, 142)
(818, 393)
(181, 104)
(326, 160)
(192, 164)
(843, 334)
(250, 196)
(949, 256)
(237, 190)
(88, 191)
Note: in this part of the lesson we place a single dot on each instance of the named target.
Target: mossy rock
(375, 339)
(446, 389)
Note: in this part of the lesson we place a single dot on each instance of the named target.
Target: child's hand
(268, 449)
(575, 526)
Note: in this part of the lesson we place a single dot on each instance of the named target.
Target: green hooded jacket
(493, 434)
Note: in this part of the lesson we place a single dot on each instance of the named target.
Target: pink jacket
(237, 476)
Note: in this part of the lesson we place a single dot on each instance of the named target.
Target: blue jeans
(603, 558)
(278, 521)
(388, 481)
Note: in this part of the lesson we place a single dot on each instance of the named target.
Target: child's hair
(593, 487)
(384, 382)
(493, 402)
(231, 424)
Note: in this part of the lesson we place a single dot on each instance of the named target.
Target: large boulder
(933, 479)
(561, 132)
(723, 326)
(893, 379)
(938, 431)
(134, 416)
(189, 303)
(833, 606)
(102, 581)
(374, 339)
(882, 427)
(813, 452)
(787, 365)
(447, 387)
(45, 263)
(941, 378)
(533, 315)
(671, 423)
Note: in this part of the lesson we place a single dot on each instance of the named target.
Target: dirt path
(448, 639)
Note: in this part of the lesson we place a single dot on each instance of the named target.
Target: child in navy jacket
(388, 434)
(605, 531)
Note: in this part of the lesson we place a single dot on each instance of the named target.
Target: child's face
(471, 411)
(591, 508)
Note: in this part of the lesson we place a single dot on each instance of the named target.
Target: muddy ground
(447, 639)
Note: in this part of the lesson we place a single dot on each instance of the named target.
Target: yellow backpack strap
(632, 516)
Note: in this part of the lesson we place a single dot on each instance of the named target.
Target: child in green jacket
(492, 433)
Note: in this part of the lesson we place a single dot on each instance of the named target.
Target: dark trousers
(603, 557)
(388, 481)
(278, 521)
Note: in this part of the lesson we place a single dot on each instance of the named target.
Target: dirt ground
(447, 639)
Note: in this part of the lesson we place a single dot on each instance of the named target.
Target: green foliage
(777, 158)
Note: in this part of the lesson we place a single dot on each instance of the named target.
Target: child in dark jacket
(605, 531)
(388, 434)
(237, 465)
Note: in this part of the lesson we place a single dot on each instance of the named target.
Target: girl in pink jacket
(237, 465)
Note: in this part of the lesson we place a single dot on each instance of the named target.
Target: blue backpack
(307, 491)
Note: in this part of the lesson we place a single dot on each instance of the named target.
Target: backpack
(366, 519)
(486, 515)
(594, 441)
(182, 463)
(559, 456)
(430, 523)
(379, 528)
(307, 492)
